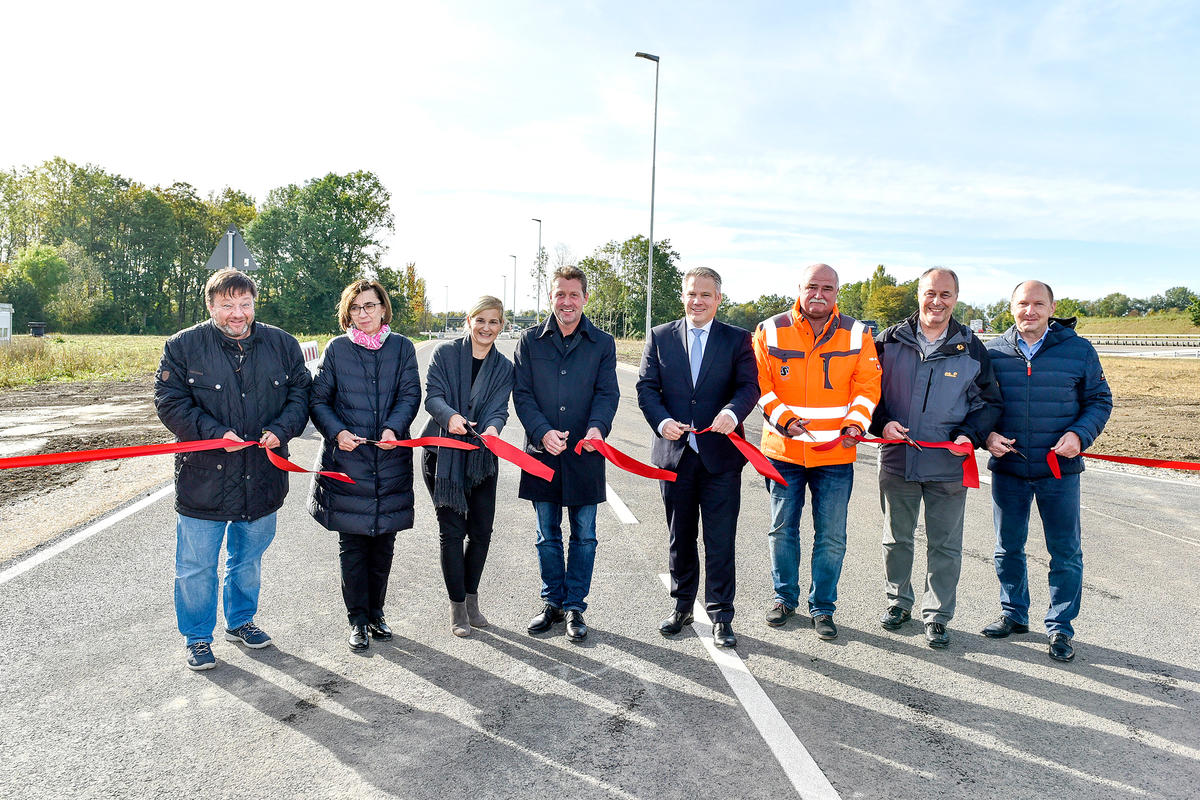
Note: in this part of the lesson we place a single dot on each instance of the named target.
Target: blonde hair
(485, 303)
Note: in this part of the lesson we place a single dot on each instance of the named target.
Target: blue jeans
(566, 588)
(1058, 506)
(197, 548)
(830, 487)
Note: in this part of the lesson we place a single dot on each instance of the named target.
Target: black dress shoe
(379, 630)
(723, 635)
(358, 637)
(936, 635)
(894, 617)
(1060, 647)
(1003, 627)
(545, 620)
(576, 628)
(674, 623)
(824, 626)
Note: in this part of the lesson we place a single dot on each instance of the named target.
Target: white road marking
(806, 777)
(1192, 542)
(618, 506)
(88, 532)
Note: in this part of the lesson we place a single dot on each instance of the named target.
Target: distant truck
(871, 324)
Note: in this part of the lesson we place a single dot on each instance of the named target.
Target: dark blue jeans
(566, 587)
(1058, 506)
(830, 487)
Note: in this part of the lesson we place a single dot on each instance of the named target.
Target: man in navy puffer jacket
(1055, 398)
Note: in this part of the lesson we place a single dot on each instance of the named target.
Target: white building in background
(6, 315)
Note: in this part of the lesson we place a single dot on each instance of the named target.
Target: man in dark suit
(697, 372)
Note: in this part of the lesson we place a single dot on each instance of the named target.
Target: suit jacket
(728, 379)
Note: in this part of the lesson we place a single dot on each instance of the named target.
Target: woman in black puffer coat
(366, 393)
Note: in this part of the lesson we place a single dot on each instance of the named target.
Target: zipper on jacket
(928, 386)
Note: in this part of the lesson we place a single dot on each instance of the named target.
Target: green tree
(1194, 311)
(1179, 297)
(999, 316)
(1067, 307)
(44, 268)
(81, 295)
(888, 304)
(852, 298)
(17, 289)
(312, 240)
(1113, 305)
(616, 274)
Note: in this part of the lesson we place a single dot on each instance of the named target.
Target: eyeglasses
(367, 307)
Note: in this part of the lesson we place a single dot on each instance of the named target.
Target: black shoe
(379, 630)
(545, 620)
(674, 623)
(894, 617)
(778, 614)
(723, 635)
(935, 635)
(1003, 627)
(823, 623)
(576, 628)
(1060, 647)
(358, 637)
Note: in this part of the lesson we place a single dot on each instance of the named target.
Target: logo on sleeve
(951, 374)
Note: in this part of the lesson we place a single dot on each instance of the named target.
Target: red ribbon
(762, 465)
(619, 459)
(970, 469)
(113, 453)
(1052, 460)
(517, 456)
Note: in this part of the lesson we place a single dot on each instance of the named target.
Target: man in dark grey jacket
(937, 386)
(565, 389)
(1055, 399)
(237, 379)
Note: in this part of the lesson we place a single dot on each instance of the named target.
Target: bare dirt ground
(1157, 415)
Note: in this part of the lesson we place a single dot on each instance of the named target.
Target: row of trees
(91, 251)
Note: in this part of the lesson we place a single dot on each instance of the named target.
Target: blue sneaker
(250, 635)
(200, 656)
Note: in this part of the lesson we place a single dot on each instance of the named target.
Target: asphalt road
(97, 701)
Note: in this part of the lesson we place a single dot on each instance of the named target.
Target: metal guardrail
(1132, 339)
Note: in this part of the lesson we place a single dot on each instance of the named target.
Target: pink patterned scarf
(370, 341)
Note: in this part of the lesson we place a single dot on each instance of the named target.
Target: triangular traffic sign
(232, 252)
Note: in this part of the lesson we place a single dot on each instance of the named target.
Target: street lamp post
(514, 258)
(653, 159)
(446, 324)
(538, 262)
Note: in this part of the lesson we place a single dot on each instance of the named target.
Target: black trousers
(366, 564)
(714, 497)
(462, 566)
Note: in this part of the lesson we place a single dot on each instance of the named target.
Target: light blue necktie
(697, 356)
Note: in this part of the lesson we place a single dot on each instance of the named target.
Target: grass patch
(67, 357)
(1176, 322)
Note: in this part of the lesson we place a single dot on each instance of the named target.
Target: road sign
(232, 252)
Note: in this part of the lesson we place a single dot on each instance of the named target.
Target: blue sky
(1007, 140)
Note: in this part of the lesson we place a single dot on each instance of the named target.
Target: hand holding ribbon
(762, 465)
(970, 469)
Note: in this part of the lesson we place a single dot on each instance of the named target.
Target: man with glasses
(228, 378)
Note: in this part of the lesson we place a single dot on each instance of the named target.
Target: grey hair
(703, 272)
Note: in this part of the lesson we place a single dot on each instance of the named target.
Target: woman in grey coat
(466, 393)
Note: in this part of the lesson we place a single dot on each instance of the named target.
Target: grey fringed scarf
(484, 402)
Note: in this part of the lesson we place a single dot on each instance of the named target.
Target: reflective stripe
(856, 334)
(859, 417)
(770, 332)
(816, 412)
(777, 413)
(864, 402)
(820, 436)
(766, 398)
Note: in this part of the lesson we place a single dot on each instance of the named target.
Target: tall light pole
(653, 159)
(514, 258)
(538, 262)
(446, 326)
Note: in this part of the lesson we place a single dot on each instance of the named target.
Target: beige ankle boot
(459, 624)
(476, 617)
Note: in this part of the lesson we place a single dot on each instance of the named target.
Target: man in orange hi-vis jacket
(819, 378)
